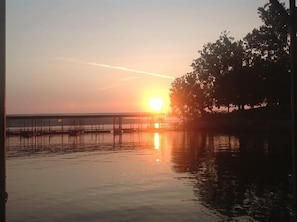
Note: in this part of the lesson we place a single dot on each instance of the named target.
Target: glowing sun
(156, 104)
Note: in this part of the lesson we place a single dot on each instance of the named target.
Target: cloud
(117, 67)
(129, 78)
(108, 87)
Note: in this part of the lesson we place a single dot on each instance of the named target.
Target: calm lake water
(170, 176)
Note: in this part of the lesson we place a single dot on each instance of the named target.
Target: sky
(93, 56)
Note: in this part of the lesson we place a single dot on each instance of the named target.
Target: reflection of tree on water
(244, 175)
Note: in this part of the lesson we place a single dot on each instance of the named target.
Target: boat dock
(76, 124)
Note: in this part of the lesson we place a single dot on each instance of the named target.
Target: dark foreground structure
(3, 195)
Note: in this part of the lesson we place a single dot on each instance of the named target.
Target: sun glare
(157, 141)
(156, 104)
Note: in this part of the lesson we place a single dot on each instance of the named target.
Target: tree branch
(279, 7)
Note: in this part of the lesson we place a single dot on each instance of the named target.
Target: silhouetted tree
(220, 68)
(252, 71)
(188, 100)
(268, 55)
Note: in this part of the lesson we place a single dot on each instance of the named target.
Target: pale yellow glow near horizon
(156, 104)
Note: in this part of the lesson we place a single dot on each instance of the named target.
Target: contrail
(118, 67)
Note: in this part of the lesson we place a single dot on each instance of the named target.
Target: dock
(77, 124)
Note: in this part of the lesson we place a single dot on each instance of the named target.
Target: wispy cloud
(129, 78)
(117, 67)
(108, 87)
(115, 85)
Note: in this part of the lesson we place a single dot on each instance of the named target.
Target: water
(170, 176)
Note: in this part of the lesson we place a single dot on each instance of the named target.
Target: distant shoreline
(240, 125)
(258, 119)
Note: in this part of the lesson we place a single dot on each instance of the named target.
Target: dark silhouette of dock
(75, 124)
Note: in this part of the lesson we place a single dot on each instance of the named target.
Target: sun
(156, 104)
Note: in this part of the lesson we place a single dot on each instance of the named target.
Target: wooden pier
(76, 124)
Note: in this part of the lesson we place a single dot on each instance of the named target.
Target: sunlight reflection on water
(172, 176)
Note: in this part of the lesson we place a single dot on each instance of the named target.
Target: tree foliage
(229, 73)
(188, 99)
(217, 66)
(268, 50)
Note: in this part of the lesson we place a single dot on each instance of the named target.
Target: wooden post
(120, 124)
(3, 196)
(293, 53)
(292, 23)
(114, 125)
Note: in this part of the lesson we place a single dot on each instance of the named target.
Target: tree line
(254, 71)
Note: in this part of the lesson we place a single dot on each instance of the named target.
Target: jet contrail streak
(119, 68)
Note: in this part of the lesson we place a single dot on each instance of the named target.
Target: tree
(268, 55)
(216, 68)
(252, 71)
(188, 100)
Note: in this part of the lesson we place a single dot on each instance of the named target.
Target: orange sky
(109, 56)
